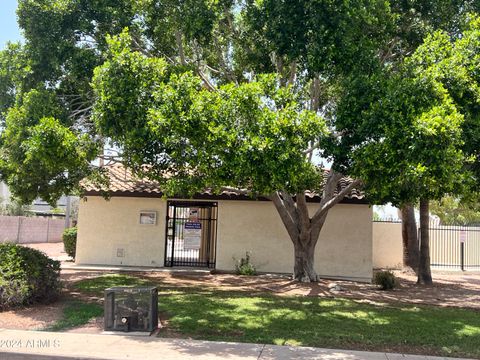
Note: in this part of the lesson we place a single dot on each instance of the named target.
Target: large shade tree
(416, 120)
(182, 91)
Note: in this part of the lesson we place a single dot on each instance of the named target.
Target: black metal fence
(455, 247)
(191, 234)
(451, 247)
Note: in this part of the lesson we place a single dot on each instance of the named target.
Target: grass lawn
(308, 321)
(76, 313)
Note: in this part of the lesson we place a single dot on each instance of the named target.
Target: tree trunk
(424, 273)
(411, 252)
(304, 230)
(304, 270)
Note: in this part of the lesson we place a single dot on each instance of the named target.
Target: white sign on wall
(192, 235)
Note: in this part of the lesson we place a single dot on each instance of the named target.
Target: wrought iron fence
(455, 247)
(191, 234)
(451, 247)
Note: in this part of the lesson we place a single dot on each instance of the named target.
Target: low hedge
(70, 241)
(27, 276)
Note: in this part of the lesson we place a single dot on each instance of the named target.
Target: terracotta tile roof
(342, 184)
(123, 182)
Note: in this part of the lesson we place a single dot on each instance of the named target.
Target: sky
(9, 30)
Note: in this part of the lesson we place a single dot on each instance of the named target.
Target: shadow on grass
(317, 322)
(209, 314)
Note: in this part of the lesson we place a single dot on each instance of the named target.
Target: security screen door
(191, 234)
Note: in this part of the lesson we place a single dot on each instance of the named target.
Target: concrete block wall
(28, 230)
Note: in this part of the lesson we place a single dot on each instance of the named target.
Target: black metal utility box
(131, 309)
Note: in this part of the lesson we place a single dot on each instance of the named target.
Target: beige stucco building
(137, 227)
(387, 245)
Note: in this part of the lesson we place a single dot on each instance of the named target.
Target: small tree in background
(456, 211)
(14, 208)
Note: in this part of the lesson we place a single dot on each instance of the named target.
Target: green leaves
(173, 130)
(14, 71)
(180, 91)
(456, 211)
(416, 123)
(40, 155)
(124, 85)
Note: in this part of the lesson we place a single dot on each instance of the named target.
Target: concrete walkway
(23, 345)
(68, 265)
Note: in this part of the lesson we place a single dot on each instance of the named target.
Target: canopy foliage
(227, 93)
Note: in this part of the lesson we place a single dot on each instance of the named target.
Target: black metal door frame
(174, 254)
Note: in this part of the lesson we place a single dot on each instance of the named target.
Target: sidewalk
(23, 345)
(68, 265)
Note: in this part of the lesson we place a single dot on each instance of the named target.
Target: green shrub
(27, 276)
(70, 241)
(386, 280)
(245, 267)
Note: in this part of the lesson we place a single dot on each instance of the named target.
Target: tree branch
(315, 94)
(212, 69)
(107, 157)
(289, 205)
(330, 186)
(279, 65)
(284, 215)
(303, 210)
(312, 148)
(181, 53)
(316, 145)
(327, 193)
(317, 227)
(388, 53)
(207, 82)
(80, 112)
(293, 73)
(335, 199)
(227, 71)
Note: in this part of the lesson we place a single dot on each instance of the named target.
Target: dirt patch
(450, 289)
(455, 289)
(36, 317)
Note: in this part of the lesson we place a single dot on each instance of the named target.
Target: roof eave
(213, 197)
